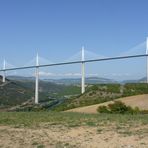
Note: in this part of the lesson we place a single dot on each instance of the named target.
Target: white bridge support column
(4, 72)
(37, 80)
(83, 72)
(147, 60)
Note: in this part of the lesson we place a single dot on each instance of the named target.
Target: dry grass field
(72, 130)
(57, 136)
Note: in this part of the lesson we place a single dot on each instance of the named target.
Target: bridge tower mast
(4, 72)
(37, 80)
(83, 72)
(147, 60)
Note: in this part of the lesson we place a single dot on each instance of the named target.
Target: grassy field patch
(34, 119)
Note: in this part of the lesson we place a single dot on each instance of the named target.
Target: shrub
(119, 107)
(113, 88)
(103, 109)
(94, 87)
(144, 111)
(136, 110)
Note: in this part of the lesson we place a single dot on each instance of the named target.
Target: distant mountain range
(77, 81)
(20, 78)
(142, 80)
(93, 80)
(66, 81)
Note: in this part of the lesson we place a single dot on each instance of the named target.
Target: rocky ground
(58, 136)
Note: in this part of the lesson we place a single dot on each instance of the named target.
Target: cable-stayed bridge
(82, 57)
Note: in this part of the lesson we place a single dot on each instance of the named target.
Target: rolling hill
(142, 80)
(77, 81)
(140, 101)
(12, 93)
(17, 90)
(96, 94)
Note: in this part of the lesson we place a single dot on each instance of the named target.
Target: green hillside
(17, 91)
(102, 93)
(12, 93)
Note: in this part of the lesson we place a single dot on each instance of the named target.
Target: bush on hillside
(94, 87)
(144, 111)
(103, 109)
(113, 88)
(135, 89)
(119, 107)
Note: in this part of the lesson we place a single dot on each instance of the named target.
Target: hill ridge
(140, 101)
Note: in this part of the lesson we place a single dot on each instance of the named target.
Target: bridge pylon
(83, 72)
(37, 80)
(147, 60)
(4, 72)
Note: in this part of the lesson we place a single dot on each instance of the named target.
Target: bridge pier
(147, 60)
(83, 72)
(4, 72)
(37, 81)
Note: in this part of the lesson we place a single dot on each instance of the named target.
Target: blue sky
(58, 28)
